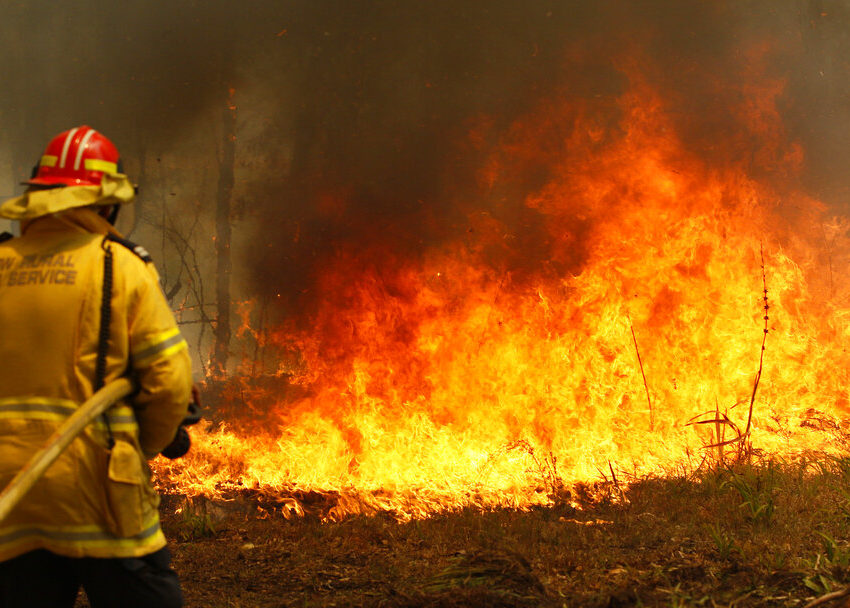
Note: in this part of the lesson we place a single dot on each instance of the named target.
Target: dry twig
(746, 445)
(645, 385)
(829, 597)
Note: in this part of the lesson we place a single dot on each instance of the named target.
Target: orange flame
(447, 380)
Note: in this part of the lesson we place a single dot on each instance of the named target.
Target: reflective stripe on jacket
(92, 502)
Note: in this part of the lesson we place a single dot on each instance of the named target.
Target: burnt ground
(769, 535)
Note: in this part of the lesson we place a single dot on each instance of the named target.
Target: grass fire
(440, 382)
(526, 304)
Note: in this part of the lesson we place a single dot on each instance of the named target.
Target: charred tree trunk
(222, 240)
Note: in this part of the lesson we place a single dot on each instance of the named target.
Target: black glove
(182, 442)
(179, 446)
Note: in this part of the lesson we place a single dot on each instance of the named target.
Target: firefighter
(79, 307)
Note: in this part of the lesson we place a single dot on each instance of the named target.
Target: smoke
(135, 70)
(384, 108)
(366, 125)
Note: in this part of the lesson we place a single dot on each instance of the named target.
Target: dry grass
(770, 534)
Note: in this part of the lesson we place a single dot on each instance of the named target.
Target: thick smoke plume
(369, 124)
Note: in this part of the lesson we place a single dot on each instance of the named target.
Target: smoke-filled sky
(357, 115)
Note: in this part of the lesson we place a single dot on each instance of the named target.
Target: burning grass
(429, 429)
(770, 533)
(473, 373)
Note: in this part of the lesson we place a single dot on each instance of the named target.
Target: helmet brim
(58, 181)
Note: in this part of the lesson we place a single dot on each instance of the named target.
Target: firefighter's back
(51, 299)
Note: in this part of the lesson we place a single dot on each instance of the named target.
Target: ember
(444, 380)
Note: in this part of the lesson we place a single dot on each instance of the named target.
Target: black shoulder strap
(103, 335)
(5, 236)
(137, 249)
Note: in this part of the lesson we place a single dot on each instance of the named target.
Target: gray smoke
(365, 105)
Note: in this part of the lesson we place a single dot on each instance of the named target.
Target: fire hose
(26, 478)
(98, 403)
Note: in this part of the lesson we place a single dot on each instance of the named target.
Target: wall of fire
(346, 112)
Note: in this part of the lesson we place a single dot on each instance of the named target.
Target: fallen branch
(829, 597)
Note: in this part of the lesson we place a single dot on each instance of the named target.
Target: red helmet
(79, 157)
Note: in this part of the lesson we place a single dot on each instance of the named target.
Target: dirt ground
(767, 536)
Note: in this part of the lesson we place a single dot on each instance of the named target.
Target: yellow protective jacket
(93, 501)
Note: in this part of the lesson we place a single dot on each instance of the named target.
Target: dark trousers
(41, 579)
